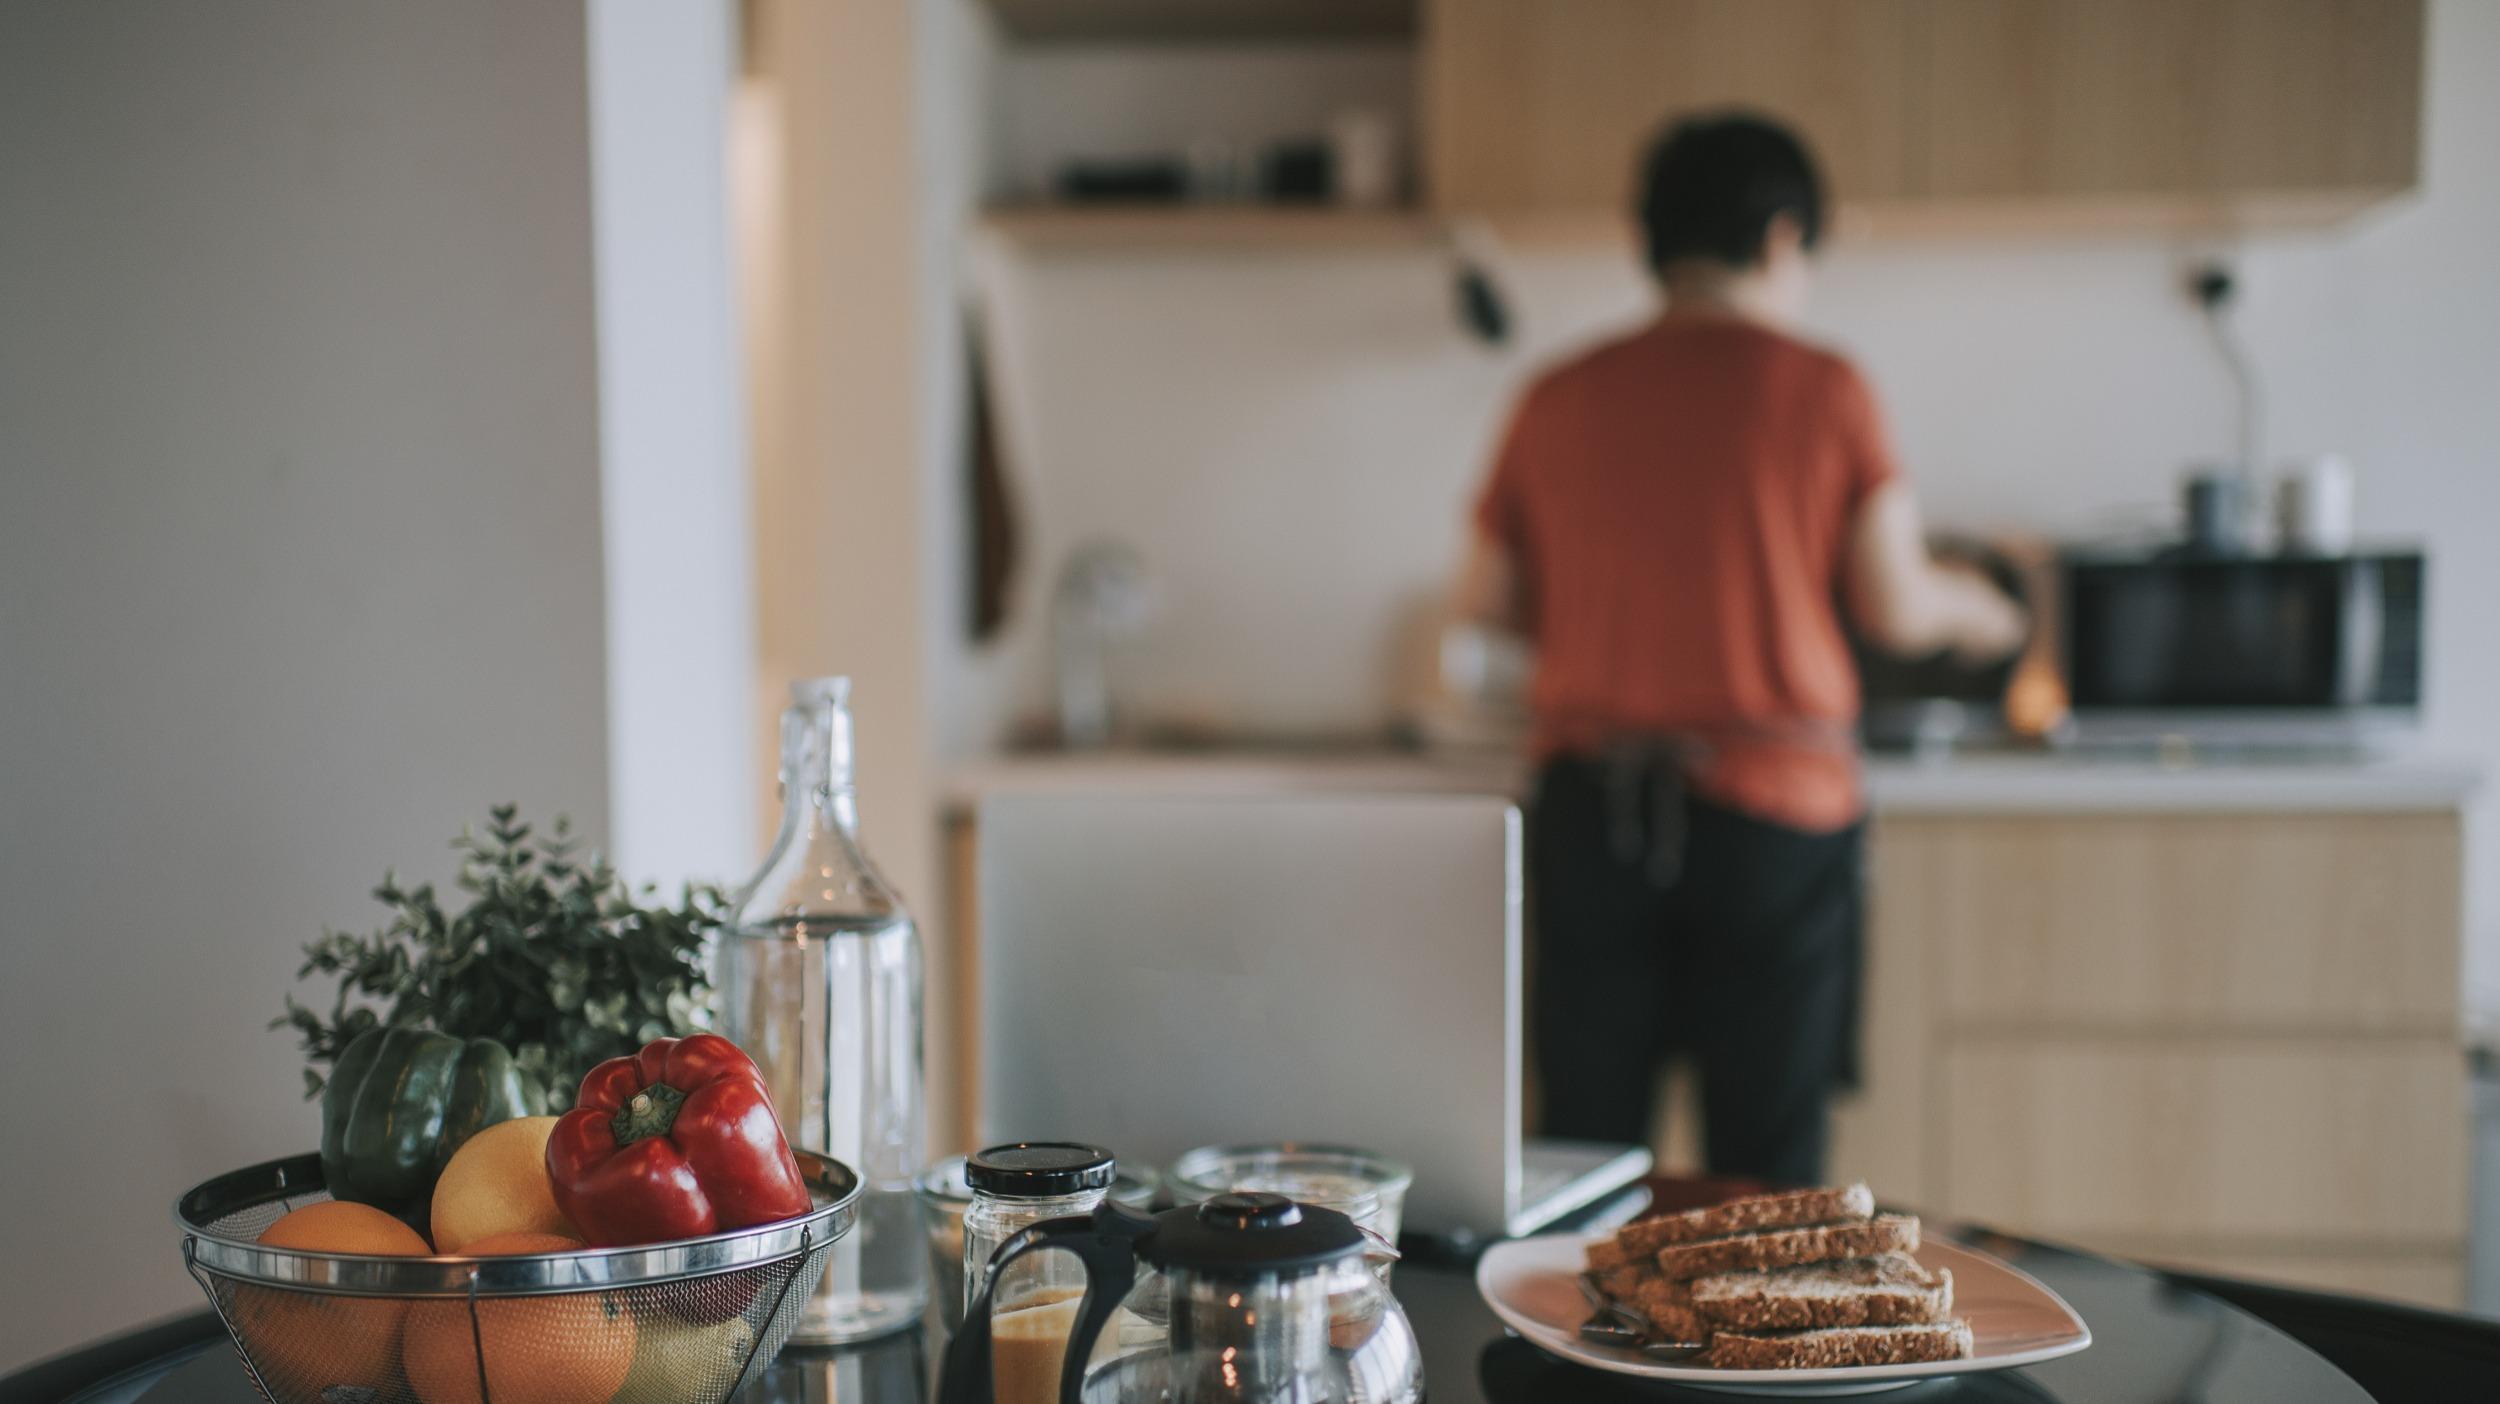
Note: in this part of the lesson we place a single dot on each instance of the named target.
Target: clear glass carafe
(820, 982)
(1245, 1299)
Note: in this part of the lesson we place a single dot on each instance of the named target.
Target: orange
(497, 1183)
(570, 1349)
(303, 1342)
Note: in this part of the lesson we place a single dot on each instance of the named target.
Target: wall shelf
(1253, 228)
(1210, 226)
(1204, 20)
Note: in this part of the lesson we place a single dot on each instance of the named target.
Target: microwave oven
(2233, 649)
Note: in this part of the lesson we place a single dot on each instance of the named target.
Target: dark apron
(1648, 796)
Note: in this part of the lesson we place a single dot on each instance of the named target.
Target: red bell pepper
(676, 1141)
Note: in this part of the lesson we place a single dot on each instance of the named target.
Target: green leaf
(546, 952)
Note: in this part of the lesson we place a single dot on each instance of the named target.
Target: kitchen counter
(1987, 783)
(2085, 784)
(1237, 772)
(2078, 967)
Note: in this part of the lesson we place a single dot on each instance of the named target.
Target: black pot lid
(1250, 1235)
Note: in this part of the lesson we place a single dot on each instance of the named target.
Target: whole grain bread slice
(1892, 1290)
(1887, 1233)
(1624, 1283)
(1615, 1255)
(1846, 1345)
(1752, 1214)
(1668, 1308)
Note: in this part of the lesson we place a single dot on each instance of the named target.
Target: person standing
(1678, 519)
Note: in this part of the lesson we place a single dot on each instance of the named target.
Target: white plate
(1532, 1284)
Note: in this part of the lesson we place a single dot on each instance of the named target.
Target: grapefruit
(497, 1183)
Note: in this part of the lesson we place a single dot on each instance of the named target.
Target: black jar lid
(1249, 1235)
(1040, 1169)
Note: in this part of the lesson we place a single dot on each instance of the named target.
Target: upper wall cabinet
(2170, 97)
(2162, 106)
(1543, 105)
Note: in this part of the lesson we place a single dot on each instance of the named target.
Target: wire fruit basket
(683, 1322)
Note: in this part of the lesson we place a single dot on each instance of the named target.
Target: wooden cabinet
(2226, 1041)
(2168, 97)
(2308, 922)
(2154, 106)
(2315, 1142)
(1547, 105)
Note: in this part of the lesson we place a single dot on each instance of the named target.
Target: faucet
(1103, 593)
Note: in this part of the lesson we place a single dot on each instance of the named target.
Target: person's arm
(1489, 590)
(1495, 583)
(1904, 602)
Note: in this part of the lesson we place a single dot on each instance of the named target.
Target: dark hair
(1712, 183)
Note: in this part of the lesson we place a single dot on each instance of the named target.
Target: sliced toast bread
(1892, 1290)
(1635, 1244)
(1615, 1255)
(1624, 1283)
(1753, 1214)
(1668, 1308)
(1846, 1345)
(1779, 1248)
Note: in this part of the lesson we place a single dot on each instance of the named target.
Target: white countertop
(1981, 784)
(2068, 784)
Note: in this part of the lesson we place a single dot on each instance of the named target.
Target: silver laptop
(1163, 971)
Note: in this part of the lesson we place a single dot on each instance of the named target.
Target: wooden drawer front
(2335, 923)
(2316, 1144)
(2423, 1278)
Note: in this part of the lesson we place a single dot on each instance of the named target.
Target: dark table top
(2155, 1340)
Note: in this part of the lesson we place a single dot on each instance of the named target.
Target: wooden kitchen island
(2205, 1016)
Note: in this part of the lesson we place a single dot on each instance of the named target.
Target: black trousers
(1668, 924)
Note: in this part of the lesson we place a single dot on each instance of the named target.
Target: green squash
(400, 1101)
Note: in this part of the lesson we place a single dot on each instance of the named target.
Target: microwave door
(2363, 629)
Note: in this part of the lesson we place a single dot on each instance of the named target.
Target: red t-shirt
(1678, 505)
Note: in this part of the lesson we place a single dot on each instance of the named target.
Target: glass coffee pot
(1246, 1299)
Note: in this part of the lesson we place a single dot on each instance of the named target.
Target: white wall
(1291, 439)
(673, 452)
(299, 556)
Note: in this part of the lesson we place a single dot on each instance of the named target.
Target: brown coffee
(1029, 1346)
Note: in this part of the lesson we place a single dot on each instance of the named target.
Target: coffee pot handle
(1105, 1242)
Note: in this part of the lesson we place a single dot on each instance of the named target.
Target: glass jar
(820, 982)
(945, 1194)
(1368, 1188)
(1136, 1188)
(1015, 1187)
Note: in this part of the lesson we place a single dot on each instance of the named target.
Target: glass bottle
(819, 982)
